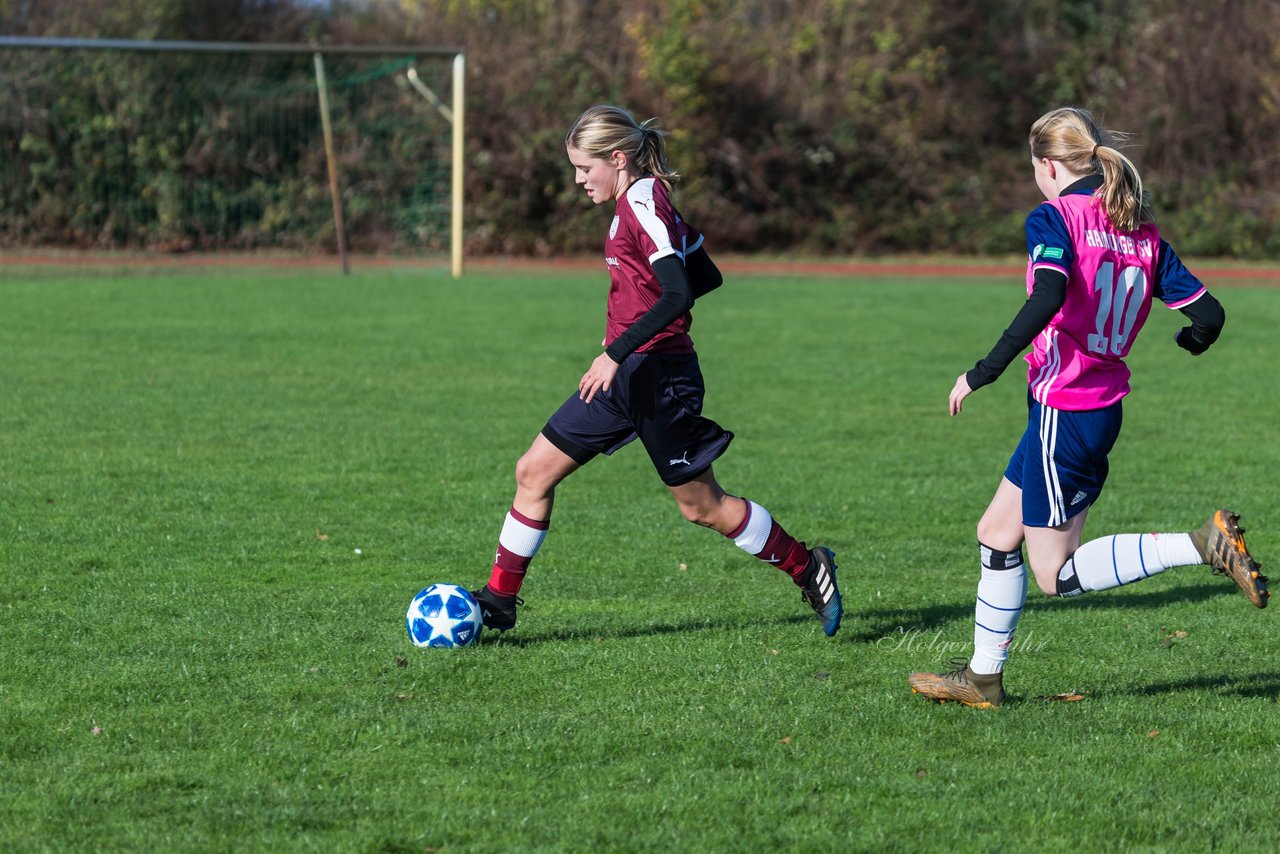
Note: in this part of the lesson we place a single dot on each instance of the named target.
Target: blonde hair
(604, 129)
(1071, 136)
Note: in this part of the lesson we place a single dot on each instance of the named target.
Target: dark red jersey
(646, 226)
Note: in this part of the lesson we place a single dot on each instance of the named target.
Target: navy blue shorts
(656, 396)
(1061, 463)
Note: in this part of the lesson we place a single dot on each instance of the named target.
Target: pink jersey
(1076, 363)
(645, 227)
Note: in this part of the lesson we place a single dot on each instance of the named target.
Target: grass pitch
(194, 656)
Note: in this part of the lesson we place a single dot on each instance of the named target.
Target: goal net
(222, 149)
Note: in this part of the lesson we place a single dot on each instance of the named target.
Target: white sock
(755, 530)
(1002, 591)
(1123, 559)
(521, 535)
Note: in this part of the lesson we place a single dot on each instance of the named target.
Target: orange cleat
(1221, 544)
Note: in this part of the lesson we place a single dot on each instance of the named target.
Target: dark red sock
(785, 552)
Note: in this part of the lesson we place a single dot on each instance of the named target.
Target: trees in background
(827, 126)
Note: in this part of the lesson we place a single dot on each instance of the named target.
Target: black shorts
(656, 396)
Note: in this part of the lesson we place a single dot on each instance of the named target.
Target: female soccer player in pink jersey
(1096, 262)
(647, 382)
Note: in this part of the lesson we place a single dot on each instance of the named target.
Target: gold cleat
(961, 685)
(1221, 545)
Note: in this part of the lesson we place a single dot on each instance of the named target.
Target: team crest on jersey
(613, 228)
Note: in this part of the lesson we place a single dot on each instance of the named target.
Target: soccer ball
(443, 615)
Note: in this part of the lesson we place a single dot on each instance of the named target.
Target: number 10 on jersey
(1119, 301)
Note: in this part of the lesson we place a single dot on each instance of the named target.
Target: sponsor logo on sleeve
(613, 228)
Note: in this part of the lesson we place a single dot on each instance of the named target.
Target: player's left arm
(1181, 290)
(704, 275)
(676, 299)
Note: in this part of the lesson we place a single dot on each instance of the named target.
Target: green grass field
(193, 656)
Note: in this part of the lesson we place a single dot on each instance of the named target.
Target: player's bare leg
(1049, 548)
(538, 472)
(1001, 524)
(704, 502)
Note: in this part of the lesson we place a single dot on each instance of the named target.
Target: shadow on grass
(642, 631)
(1136, 598)
(876, 625)
(1265, 685)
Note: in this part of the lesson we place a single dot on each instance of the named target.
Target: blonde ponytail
(1072, 137)
(604, 129)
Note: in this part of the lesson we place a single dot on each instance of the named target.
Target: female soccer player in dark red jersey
(647, 382)
(1096, 261)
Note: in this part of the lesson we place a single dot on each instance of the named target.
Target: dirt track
(1243, 276)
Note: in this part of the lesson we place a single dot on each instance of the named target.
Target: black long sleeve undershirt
(1207, 318)
(1048, 293)
(682, 283)
(703, 273)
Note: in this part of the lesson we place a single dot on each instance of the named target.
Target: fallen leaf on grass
(1062, 698)
(920, 773)
(1153, 733)
(322, 537)
(786, 739)
(684, 567)
(401, 661)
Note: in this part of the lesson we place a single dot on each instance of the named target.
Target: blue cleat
(819, 589)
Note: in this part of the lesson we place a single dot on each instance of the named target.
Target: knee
(995, 534)
(1046, 578)
(530, 476)
(697, 514)
(990, 535)
(1048, 586)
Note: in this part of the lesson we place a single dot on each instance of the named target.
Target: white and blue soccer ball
(445, 616)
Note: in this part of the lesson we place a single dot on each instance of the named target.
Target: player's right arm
(1047, 296)
(1045, 229)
